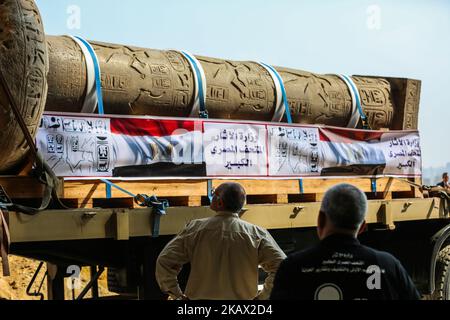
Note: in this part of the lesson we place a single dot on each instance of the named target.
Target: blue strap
(110, 184)
(101, 110)
(98, 82)
(300, 182)
(373, 183)
(209, 188)
(358, 102)
(286, 108)
(108, 191)
(283, 92)
(203, 113)
(159, 209)
(156, 224)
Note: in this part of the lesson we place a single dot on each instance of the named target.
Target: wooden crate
(192, 193)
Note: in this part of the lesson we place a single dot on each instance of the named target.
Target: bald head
(345, 206)
(232, 196)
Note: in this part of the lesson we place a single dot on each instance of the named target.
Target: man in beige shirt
(224, 252)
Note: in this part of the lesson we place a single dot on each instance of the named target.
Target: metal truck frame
(416, 230)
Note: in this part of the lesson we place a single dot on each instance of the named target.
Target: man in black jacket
(339, 267)
(444, 183)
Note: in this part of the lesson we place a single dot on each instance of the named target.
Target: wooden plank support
(303, 197)
(281, 198)
(183, 201)
(387, 188)
(122, 220)
(403, 194)
(113, 203)
(84, 224)
(268, 198)
(192, 193)
(21, 187)
(171, 188)
(36, 202)
(386, 216)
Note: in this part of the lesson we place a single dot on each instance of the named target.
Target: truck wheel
(442, 291)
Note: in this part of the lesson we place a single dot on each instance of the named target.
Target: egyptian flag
(157, 148)
(351, 152)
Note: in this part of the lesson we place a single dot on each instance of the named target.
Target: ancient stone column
(143, 81)
(24, 66)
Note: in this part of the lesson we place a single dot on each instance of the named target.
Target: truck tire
(442, 291)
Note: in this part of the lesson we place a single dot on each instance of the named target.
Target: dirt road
(22, 270)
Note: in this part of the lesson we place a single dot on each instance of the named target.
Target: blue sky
(401, 38)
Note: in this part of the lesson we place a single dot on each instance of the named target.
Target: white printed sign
(233, 149)
(403, 154)
(76, 146)
(156, 148)
(293, 151)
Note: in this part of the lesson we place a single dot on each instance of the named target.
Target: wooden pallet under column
(192, 193)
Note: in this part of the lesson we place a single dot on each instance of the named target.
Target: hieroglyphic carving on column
(24, 65)
(411, 104)
(143, 81)
(70, 89)
(134, 80)
(238, 90)
(376, 100)
(319, 99)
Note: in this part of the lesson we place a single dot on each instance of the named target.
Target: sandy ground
(22, 270)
